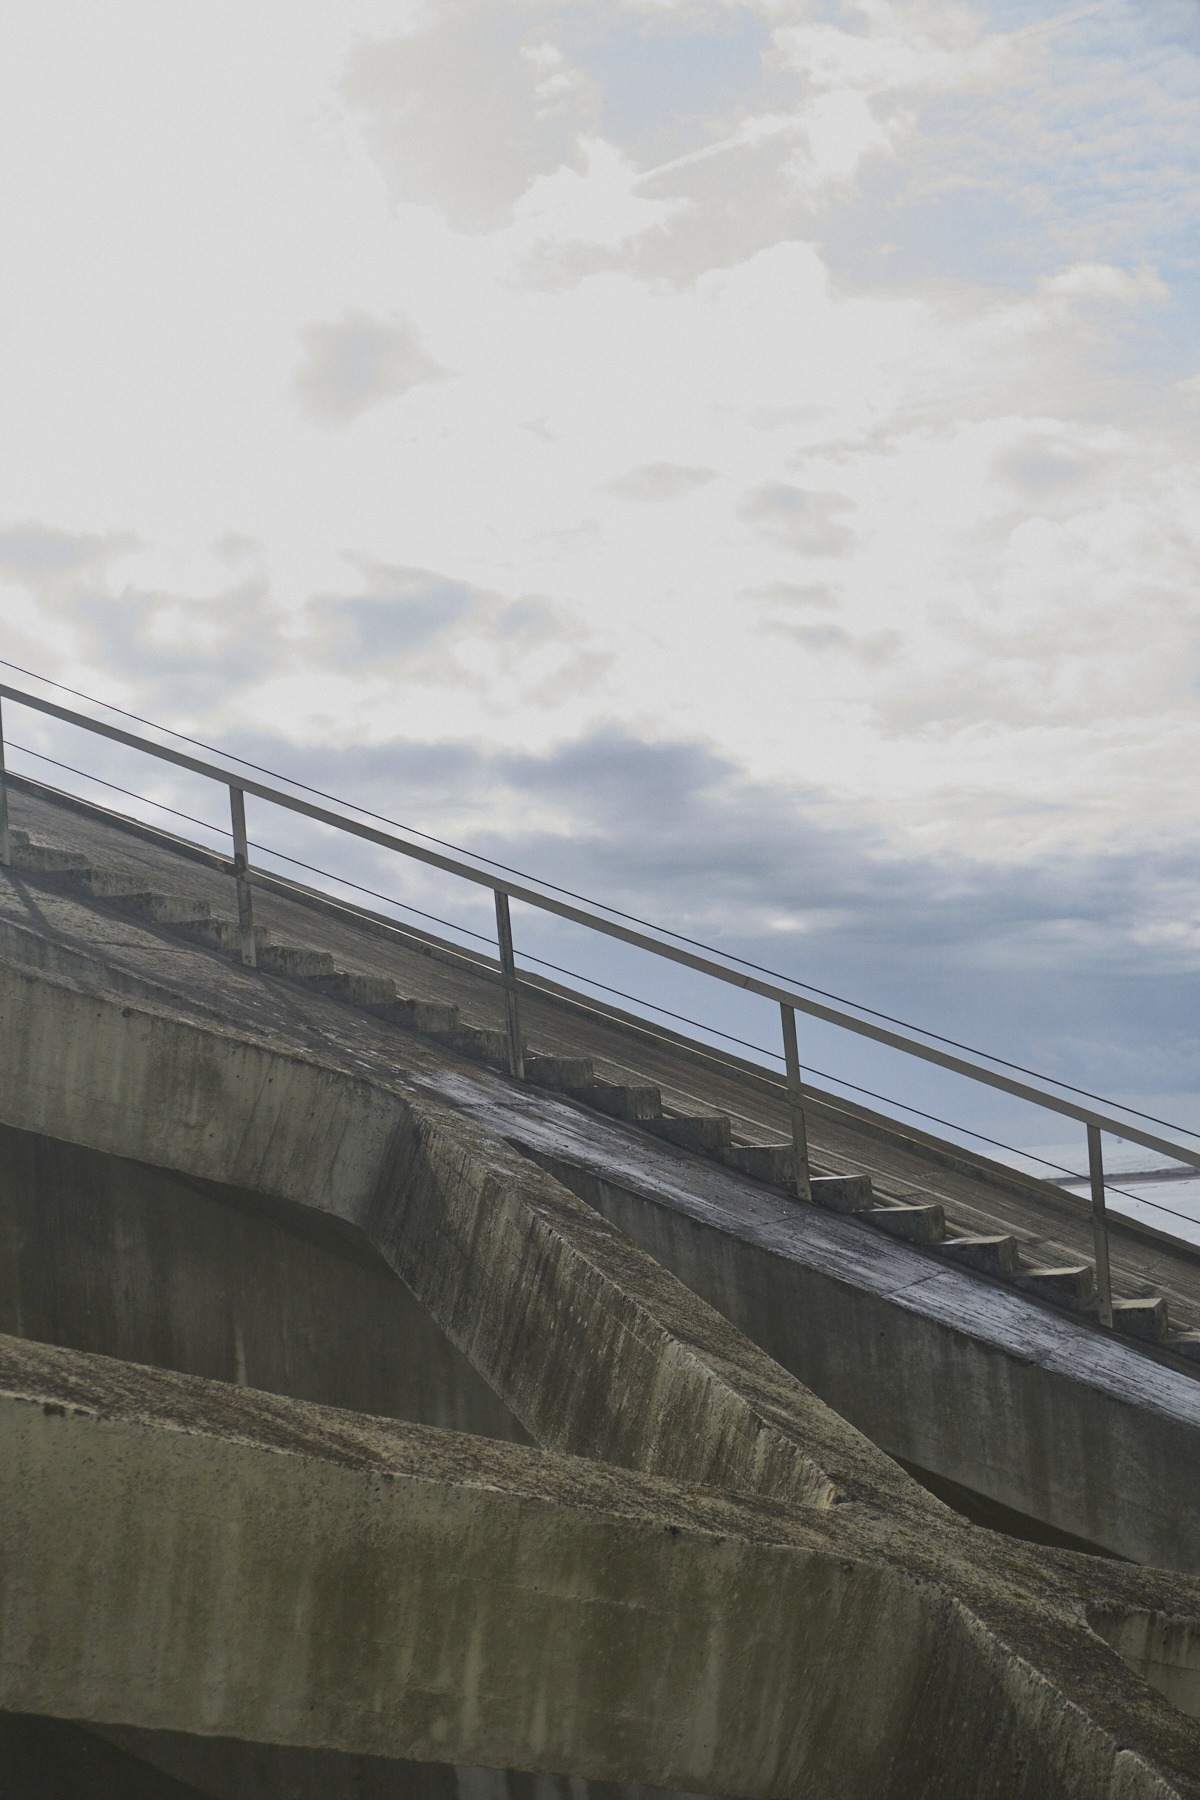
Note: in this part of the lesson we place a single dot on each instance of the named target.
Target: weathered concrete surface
(188, 1556)
(296, 1097)
(43, 1758)
(1162, 1646)
(786, 1612)
(1061, 1423)
(1057, 1421)
(100, 1253)
(586, 1339)
(1070, 1430)
(196, 1558)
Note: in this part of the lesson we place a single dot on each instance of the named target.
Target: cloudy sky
(737, 458)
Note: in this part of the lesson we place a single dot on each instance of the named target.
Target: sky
(738, 460)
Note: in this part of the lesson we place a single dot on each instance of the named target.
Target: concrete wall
(104, 1254)
(185, 1556)
(1057, 1448)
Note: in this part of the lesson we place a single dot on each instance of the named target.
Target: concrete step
(575, 1076)
(704, 1132)
(990, 1255)
(224, 934)
(480, 1042)
(377, 994)
(296, 962)
(1144, 1318)
(106, 884)
(1072, 1285)
(774, 1164)
(842, 1193)
(161, 909)
(433, 1018)
(637, 1102)
(368, 991)
(562, 1074)
(42, 859)
(923, 1222)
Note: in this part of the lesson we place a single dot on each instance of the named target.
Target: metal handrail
(788, 999)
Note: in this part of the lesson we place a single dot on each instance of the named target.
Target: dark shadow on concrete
(121, 1259)
(52, 1759)
(227, 1769)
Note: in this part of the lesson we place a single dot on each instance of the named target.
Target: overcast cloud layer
(741, 458)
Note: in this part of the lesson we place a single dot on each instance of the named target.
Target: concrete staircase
(922, 1223)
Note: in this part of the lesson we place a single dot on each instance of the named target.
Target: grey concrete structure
(988, 1396)
(367, 1415)
(100, 1253)
(201, 1558)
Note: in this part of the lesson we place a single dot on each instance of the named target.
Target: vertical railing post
(1100, 1224)
(508, 965)
(5, 846)
(241, 870)
(795, 1087)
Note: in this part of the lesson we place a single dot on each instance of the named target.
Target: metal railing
(789, 1000)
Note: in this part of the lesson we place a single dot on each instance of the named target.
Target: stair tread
(920, 1222)
(991, 1253)
(842, 1193)
(701, 1131)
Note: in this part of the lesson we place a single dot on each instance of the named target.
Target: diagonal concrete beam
(182, 1555)
(595, 1347)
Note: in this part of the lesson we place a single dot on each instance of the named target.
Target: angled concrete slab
(99, 1253)
(979, 1386)
(183, 1555)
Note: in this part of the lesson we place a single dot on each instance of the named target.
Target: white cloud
(1101, 281)
(468, 108)
(359, 362)
(839, 131)
(659, 481)
(807, 521)
(891, 340)
(902, 48)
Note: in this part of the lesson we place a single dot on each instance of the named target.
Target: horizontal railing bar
(640, 940)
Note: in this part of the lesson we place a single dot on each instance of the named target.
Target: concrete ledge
(183, 1556)
(981, 1387)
